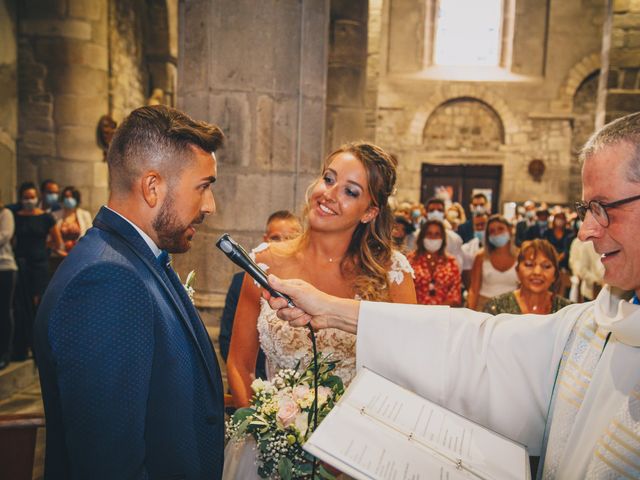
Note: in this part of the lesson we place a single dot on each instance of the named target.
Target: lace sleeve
(252, 254)
(399, 266)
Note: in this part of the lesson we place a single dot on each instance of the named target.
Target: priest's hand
(312, 306)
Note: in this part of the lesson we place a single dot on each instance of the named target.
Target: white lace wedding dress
(285, 346)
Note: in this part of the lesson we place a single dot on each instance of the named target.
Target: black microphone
(240, 257)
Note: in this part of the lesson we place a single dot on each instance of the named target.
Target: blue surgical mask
(435, 215)
(51, 198)
(499, 240)
(415, 214)
(530, 214)
(480, 236)
(542, 223)
(69, 203)
(478, 209)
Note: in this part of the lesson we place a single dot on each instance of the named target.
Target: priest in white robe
(565, 385)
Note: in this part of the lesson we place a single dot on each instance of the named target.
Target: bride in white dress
(345, 251)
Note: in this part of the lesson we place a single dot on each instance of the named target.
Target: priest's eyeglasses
(599, 209)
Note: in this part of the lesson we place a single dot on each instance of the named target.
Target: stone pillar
(621, 65)
(8, 100)
(258, 70)
(63, 71)
(347, 73)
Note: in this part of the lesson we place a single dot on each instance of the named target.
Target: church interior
(495, 96)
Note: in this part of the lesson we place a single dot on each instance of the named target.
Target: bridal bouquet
(280, 419)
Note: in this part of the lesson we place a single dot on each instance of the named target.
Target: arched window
(468, 32)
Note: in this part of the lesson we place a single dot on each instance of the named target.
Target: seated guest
(281, 225)
(437, 277)
(72, 220)
(494, 268)
(538, 274)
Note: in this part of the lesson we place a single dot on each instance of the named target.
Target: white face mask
(432, 245)
(435, 215)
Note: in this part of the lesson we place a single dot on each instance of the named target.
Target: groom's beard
(172, 234)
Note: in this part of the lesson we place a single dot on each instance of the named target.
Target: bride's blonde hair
(368, 256)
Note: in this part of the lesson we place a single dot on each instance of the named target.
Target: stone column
(8, 100)
(347, 73)
(258, 70)
(621, 63)
(63, 72)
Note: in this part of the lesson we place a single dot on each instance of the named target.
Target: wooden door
(460, 182)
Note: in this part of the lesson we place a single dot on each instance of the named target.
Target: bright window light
(468, 32)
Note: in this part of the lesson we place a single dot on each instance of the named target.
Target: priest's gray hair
(624, 129)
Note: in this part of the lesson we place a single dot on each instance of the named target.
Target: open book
(379, 430)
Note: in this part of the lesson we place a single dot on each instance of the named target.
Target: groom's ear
(153, 188)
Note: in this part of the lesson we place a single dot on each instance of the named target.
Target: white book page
(376, 405)
(363, 451)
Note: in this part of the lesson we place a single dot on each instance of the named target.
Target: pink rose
(287, 411)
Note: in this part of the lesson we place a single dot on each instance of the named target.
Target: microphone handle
(245, 262)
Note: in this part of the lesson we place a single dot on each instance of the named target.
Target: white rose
(302, 423)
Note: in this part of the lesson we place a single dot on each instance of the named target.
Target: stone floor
(20, 390)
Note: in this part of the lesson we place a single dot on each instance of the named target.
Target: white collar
(152, 245)
(619, 316)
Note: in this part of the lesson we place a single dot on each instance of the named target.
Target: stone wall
(258, 70)
(346, 73)
(77, 61)
(533, 97)
(128, 75)
(63, 72)
(623, 85)
(8, 99)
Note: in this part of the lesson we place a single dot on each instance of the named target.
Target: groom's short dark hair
(157, 137)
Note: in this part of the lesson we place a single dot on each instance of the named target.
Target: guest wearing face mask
(437, 277)
(479, 204)
(455, 215)
(435, 211)
(72, 220)
(527, 222)
(494, 268)
(49, 196)
(32, 227)
(540, 226)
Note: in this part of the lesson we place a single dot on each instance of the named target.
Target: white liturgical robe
(579, 368)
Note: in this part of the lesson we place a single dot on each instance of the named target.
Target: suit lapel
(121, 231)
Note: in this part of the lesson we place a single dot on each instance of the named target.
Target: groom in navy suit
(130, 381)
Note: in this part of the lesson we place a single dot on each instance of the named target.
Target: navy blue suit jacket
(130, 381)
